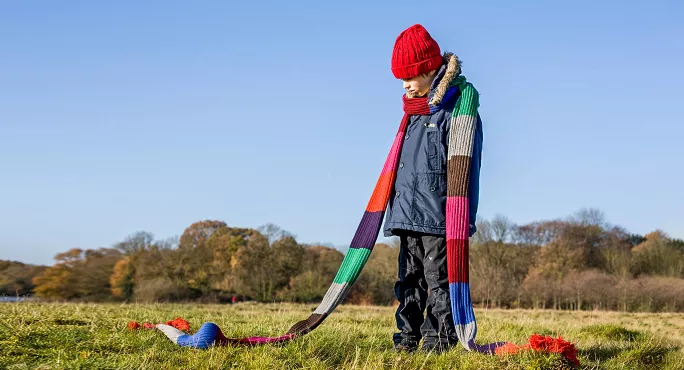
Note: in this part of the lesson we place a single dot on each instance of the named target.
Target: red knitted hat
(415, 52)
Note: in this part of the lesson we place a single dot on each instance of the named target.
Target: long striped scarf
(459, 153)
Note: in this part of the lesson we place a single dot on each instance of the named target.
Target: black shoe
(436, 347)
(405, 346)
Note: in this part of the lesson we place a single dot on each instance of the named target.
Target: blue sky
(123, 116)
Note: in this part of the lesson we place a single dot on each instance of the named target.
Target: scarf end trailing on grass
(545, 344)
(178, 323)
(209, 334)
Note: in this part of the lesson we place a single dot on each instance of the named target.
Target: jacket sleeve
(474, 185)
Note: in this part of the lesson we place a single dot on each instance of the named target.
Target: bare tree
(273, 232)
(484, 233)
(136, 242)
(502, 228)
(590, 217)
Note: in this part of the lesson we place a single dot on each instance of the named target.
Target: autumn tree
(260, 269)
(537, 289)
(134, 247)
(497, 271)
(78, 274)
(318, 268)
(223, 244)
(158, 276)
(659, 255)
(194, 257)
(196, 235)
(91, 274)
(121, 279)
(16, 278)
(375, 284)
(57, 282)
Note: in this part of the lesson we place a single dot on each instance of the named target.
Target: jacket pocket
(429, 202)
(435, 158)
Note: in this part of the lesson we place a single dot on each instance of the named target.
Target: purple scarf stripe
(367, 232)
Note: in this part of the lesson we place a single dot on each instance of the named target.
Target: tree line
(579, 262)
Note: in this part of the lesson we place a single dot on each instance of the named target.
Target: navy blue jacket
(418, 201)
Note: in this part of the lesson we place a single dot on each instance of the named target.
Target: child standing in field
(417, 207)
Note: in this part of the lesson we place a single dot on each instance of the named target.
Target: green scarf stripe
(351, 265)
(469, 100)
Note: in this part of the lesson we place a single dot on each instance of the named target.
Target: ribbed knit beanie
(415, 52)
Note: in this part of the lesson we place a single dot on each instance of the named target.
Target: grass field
(94, 336)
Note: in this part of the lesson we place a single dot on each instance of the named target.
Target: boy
(417, 207)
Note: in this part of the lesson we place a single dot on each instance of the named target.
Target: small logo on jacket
(427, 124)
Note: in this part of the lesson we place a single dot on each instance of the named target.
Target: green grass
(94, 336)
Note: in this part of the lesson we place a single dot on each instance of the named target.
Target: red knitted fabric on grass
(178, 323)
(543, 343)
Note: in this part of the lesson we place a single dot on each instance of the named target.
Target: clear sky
(125, 116)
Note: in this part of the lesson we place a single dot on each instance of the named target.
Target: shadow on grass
(647, 356)
(601, 353)
(636, 355)
(612, 332)
(70, 322)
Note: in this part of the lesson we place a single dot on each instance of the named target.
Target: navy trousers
(423, 286)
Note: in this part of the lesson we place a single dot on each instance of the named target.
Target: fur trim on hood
(453, 69)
